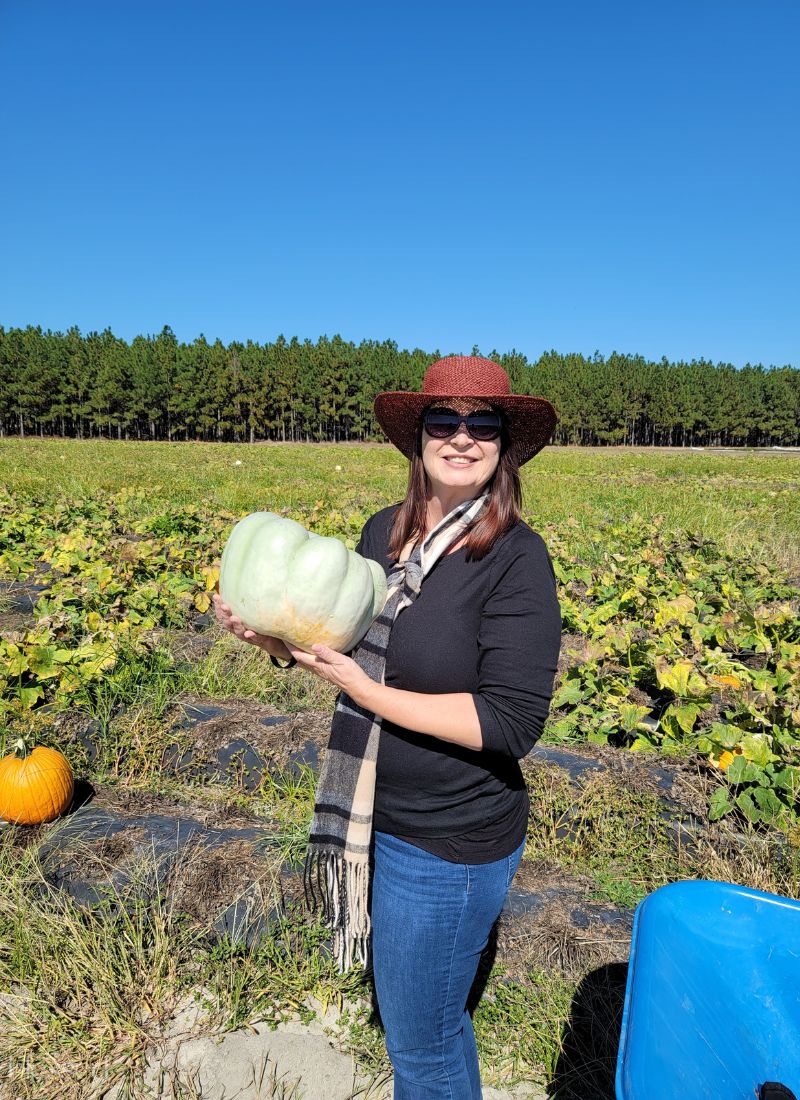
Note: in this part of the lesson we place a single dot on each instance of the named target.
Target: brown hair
(502, 510)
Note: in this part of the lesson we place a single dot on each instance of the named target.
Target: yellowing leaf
(202, 601)
(684, 715)
(682, 679)
(211, 574)
(631, 715)
(17, 665)
(99, 662)
(756, 748)
(70, 681)
(75, 540)
(675, 611)
(41, 662)
(104, 576)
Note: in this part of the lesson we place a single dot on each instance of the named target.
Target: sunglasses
(483, 425)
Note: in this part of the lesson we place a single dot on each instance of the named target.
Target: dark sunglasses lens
(441, 423)
(483, 426)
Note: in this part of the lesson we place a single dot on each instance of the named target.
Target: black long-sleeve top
(491, 628)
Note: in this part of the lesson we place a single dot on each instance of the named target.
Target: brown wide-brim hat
(530, 420)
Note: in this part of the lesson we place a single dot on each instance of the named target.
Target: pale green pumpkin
(283, 580)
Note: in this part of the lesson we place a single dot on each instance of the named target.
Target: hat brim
(530, 420)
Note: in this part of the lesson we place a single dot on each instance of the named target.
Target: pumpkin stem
(21, 749)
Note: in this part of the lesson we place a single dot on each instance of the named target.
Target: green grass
(747, 498)
(517, 1027)
(291, 801)
(604, 830)
(234, 668)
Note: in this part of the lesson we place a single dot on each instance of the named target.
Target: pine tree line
(157, 388)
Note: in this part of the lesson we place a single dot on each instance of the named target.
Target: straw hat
(530, 420)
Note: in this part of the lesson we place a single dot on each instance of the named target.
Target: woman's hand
(234, 624)
(334, 667)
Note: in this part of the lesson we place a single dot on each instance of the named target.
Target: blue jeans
(431, 920)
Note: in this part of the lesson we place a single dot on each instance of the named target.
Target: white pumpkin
(283, 580)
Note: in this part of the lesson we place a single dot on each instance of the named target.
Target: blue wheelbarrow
(712, 1004)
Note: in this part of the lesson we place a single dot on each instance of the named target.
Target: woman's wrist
(369, 694)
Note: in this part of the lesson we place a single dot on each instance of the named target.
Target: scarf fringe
(339, 886)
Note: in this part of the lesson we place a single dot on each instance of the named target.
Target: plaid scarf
(337, 859)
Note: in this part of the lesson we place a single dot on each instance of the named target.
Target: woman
(450, 688)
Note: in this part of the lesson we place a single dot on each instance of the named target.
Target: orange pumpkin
(35, 786)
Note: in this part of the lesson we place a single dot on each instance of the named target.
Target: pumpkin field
(167, 900)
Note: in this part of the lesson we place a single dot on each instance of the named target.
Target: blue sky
(570, 174)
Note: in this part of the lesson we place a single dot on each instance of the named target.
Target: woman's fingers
(222, 612)
(223, 615)
(330, 665)
(240, 630)
(321, 658)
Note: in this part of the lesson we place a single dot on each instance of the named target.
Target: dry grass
(89, 992)
(767, 862)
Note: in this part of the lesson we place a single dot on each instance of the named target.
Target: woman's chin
(463, 485)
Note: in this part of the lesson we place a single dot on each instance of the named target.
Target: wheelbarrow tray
(712, 1004)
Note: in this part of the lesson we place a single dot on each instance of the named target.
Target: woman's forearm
(451, 717)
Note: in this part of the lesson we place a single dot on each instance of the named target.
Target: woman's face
(459, 467)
